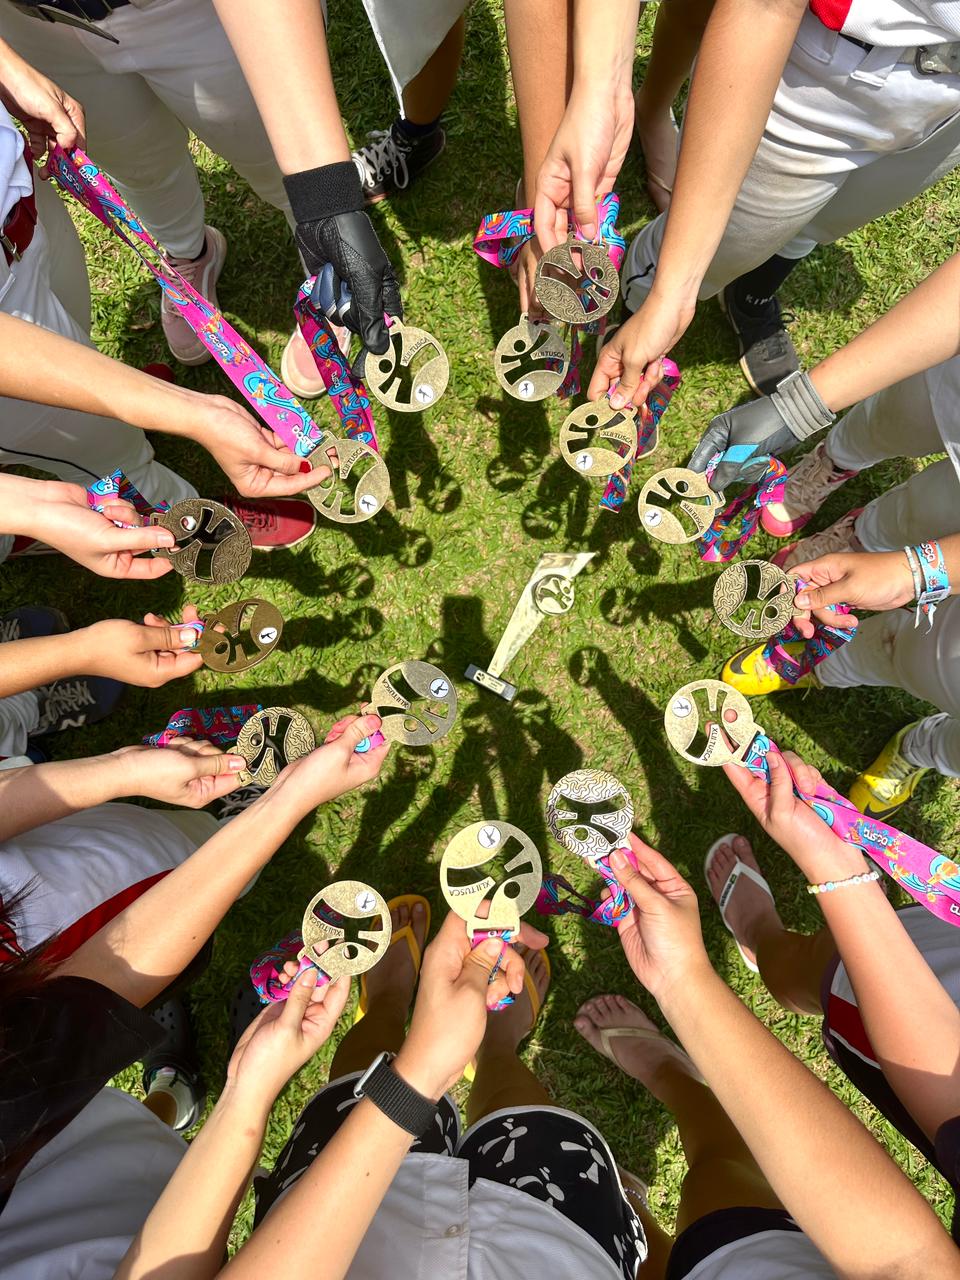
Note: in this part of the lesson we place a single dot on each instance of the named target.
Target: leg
(538, 37)
(390, 988)
(676, 39)
(791, 964)
(722, 1173)
(502, 1080)
(428, 93)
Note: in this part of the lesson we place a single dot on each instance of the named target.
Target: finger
(820, 597)
(644, 894)
(545, 215)
(751, 789)
(633, 385)
(479, 965)
(179, 665)
(124, 512)
(190, 613)
(372, 327)
(392, 302)
(781, 789)
(607, 371)
(805, 775)
(136, 567)
(216, 765)
(298, 998)
(532, 938)
(146, 538)
(584, 203)
(332, 997)
(77, 115)
(355, 732)
(162, 637)
(652, 863)
(63, 126)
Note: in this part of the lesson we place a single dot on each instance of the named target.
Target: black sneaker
(229, 806)
(30, 622)
(767, 355)
(391, 160)
(173, 1067)
(70, 704)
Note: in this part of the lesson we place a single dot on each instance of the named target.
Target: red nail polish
(305, 467)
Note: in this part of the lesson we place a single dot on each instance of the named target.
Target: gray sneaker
(203, 273)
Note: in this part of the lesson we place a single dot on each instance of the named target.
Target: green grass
(479, 492)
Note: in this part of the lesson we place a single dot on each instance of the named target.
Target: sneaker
(298, 368)
(235, 803)
(767, 355)
(70, 704)
(839, 537)
(273, 523)
(809, 485)
(638, 271)
(889, 782)
(203, 273)
(173, 1067)
(391, 160)
(750, 672)
(30, 622)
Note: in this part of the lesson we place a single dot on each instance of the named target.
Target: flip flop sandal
(404, 934)
(738, 869)
(607, 1034)
(536, 1004)
(178, 1051)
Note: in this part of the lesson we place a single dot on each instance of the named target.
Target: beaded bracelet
(829, 885)
(931, 582)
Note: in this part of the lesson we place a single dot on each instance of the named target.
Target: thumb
(628, 877)
(298, 999)
(820, 597)
(168, 638)
(145, 538)
(356, 731)
(585, 204)
(282, 461)
(213, 764)
(714, 440)
(480, 963)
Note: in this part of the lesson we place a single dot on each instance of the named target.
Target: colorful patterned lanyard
(651, 411)
(824, 641)
(558, 897)
(719, 543)
(219, 725)
(346, 392)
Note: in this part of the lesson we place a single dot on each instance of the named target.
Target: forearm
(32, 663)
(42, 793)
(539, 38)
(185, 1236)
(922, 330)
(604, 42)
(287, 67)
(831, 1175)
(744, 49)
(150, 942)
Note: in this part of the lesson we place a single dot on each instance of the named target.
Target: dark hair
(21, 972)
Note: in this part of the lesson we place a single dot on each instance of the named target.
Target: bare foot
(749, 911)
(657, 134)
(652, 1060)
(394, 979)
(507, 1028)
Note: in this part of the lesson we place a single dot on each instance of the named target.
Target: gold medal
(350, 950)
(239, 636)
(359, 485)
(531, 360)
(492, 865)
(212, 543)
(754, 599)
(416, 702)
(413, 372)
(590, 813)
(675, 493)
(709, 722)
(270, 740)
(576, 282)
(590, 427)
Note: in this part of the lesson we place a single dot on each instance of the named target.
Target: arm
(823, 1165)
(745, 47)
(46, 368)
(142, 950)
(49, 115)
(912, 1023)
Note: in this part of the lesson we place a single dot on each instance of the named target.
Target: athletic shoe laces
(811, 480)
(9, 629)
(258, 519)
(898, 773)
(380, 157)
(63, 698)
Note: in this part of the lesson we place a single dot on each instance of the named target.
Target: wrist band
(828, 886)
(324, 192)
(931, 582)
(799, 405)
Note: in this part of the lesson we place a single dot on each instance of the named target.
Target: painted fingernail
(305, 467)
(236, 763)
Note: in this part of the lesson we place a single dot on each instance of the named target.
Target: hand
(335, 767)
(862, 579)
(47, 113)
(455, 992)
(186, 773)
(360, 287)
(790, 821)
(147, 655)
(633, 354)
(255, 460)
(282, 1038)
(524, 272)
(60, 516)
(661, 936)
(756, 425)
(582, 163)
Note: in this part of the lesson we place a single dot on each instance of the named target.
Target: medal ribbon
(736, 524)
(346, 392)
(824, 641)
(558, 897)
(266, 972)
(255, 381)
(219, 725)
(651, 411)
(928, 876)
(504, 937)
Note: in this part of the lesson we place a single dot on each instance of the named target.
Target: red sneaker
(273, 523)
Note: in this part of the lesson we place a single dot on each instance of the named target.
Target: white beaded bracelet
(829, 885)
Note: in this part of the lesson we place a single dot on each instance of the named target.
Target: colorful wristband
(828, 886)
(930, 576)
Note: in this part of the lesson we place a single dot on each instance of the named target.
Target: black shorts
(553, 1155)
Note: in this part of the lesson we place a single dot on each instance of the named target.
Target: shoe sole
(784, 528)
(205, 356)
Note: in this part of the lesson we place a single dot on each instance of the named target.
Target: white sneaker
(638, 271)
(809, 485)
(838, 538)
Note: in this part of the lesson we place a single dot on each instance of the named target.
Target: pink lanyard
(219, 725)
(651, 411)
(928, 876)
(347, 393)
(724, 539)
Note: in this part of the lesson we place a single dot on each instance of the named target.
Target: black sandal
(178, 1053)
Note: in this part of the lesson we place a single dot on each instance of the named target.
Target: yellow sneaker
(889, 782)
(750, 672)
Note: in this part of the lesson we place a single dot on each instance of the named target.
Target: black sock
(415, 132)
(754, 290)
(203, 250)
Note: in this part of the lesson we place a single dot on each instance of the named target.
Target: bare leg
(538, 37)
(428, 93)
(791, 964)
(390, 988)
(722, 1173)
(676, 39)
(502, 1080)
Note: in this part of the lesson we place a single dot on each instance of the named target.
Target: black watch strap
(398, 1101)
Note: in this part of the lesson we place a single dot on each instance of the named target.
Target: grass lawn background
(479, 493)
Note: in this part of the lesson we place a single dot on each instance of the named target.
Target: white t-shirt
(16, 180)
(83, 1197)
(892, 23)
(769, 1255)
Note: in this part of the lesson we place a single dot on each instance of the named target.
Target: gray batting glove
(770, 425)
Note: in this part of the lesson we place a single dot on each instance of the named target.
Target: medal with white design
(270, 740)
(576, 282)
(755, 599)
(590, 813)
(531, 360)
(412, 374)
(212, 543)
(490, 874)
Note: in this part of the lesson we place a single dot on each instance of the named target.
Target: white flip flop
(738, 869)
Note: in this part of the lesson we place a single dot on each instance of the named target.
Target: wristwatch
(398, 1101)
